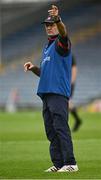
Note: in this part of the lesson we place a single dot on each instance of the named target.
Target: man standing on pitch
(55, 89)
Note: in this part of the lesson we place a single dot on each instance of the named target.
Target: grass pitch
(24, 148)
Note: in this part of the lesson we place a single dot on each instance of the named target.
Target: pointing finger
(54, 7)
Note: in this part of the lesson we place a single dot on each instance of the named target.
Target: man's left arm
(61, 27)
(63, 44)
(54, 12)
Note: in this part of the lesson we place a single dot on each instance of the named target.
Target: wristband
(57, 19)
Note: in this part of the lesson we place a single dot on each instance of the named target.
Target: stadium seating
(29, 42)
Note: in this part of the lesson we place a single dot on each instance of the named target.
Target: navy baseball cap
(49, 19)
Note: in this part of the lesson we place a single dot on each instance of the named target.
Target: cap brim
(51, 22)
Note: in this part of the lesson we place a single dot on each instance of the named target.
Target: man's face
(51, 29)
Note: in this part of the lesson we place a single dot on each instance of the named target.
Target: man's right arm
(36, 70)
(30, 67)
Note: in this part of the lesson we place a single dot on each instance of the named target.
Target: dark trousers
(55, 113)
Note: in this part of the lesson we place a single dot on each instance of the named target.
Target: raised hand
(53, 11)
